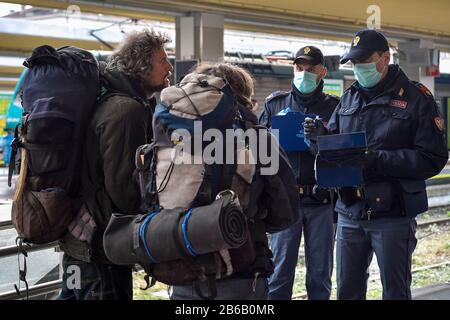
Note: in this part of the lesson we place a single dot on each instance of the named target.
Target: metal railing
(4, 225)
(13, 250)
(38, 289)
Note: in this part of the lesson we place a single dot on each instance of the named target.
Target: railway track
(439, 222)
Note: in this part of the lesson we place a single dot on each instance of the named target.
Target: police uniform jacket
(404, 129)
(320, 104)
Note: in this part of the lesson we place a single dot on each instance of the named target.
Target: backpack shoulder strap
(15, 145)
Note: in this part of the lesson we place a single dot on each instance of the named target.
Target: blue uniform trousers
(393, 242)
(316, 222)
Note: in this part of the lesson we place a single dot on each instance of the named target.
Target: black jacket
(120, 123)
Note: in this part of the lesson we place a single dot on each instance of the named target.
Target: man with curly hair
(136, 70)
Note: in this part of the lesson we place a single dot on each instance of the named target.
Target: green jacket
(120, 124)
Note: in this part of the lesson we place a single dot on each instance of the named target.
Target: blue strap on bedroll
(142, 231)
(185, 235)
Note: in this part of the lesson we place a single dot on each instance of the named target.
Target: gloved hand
(370, 159)
(366, 160)
(314, 128)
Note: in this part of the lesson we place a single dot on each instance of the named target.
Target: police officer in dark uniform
(404, 134)
(316, 207)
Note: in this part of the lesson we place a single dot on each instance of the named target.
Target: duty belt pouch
(321, 195)
(413, 196)
(380, 196)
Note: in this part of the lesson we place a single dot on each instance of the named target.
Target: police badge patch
(398, 104)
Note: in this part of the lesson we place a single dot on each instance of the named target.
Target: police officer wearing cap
(404, 134)
(316, 207)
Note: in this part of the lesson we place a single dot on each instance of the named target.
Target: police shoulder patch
(277, 94)
(440, 123)
(425, 91)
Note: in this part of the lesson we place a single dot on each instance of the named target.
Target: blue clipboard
(290, 126)
(332, 171)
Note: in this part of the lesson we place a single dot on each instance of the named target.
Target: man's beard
(149, 89)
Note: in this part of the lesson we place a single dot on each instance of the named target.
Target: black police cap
(310, 54)
(364, 44)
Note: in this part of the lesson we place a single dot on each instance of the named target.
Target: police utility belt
(314, 192)
(381, 198)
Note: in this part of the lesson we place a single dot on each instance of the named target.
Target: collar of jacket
(305, 101)
(388, 89)
(116, 80)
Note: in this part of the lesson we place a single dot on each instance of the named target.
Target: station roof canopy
(334, 20)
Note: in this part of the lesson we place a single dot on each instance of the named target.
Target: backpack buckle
(223, 193)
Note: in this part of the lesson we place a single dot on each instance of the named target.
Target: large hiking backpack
(195, 229)
(59, 93)
(209, 100)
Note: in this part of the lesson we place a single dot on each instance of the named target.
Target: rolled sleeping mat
(121, 240)
(176, 234)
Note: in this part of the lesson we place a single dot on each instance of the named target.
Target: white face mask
(367, 74)
(305, 82)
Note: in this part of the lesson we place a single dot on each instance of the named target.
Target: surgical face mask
(305, 82)
(367, 74)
